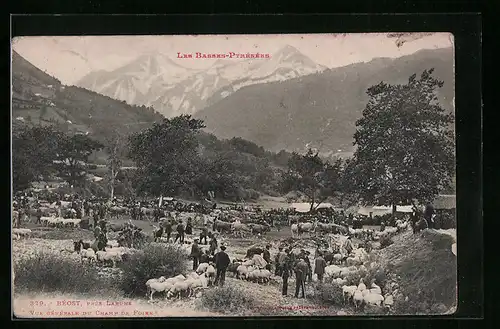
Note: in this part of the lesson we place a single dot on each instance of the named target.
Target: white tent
(383, 210)
(305, 206)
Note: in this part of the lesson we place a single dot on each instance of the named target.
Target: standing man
(168, 229)
(267, 257)
(285, 272)
(180, 232)
(195, 253)
(348, 245)
(429, 214)
(319, 266)
(279, 261)
(309, 269)
(39, 216)
(213, 245)
(189, 226)
(222, 261)
(300, 276)
(204, 234)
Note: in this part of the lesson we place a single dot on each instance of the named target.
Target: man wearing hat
(222, 261)
(285, 271)
(348, 245)
(195, 253)
(204, 234)
(267, 256)
(280, 258)
(301, 270)
(180, 232)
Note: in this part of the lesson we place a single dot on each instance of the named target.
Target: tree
(311, 175)
(115, 147)
(72, 156)
(164, 155)
(33, 150)
(405, 145)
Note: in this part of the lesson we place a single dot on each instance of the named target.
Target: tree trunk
(112, 187)
(394, 211)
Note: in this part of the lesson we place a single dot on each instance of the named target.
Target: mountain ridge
(295, 114)
(38, 98)
(179, 90)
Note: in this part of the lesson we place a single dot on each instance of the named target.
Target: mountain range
(319, 110)
(156, 80)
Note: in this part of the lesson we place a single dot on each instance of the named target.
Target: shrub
(151, 262)
(353, 277)
(329, 293)
(227, 299)
(385, 241)
(51, 273)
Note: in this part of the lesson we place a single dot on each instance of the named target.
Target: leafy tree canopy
(405, 147)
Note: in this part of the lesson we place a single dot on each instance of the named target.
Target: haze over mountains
(156, 80)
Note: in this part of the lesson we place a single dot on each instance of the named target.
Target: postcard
(233, 175)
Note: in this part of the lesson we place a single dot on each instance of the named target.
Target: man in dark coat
(222, 261)
(301, 270)
(267, 257)
(195, 254)
(189, 226)
(279, 261)
(309, 271)
(180, 232)
(428, 215)
(319, 266)
(39, 216)
(285, 271)
(168, 228)
(204, 234)
(213, 245)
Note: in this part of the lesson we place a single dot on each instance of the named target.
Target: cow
(254, 251)
(259, 228)
(115, 211)
(303, 227)
(221, 226)
(115, 227)
(240, 229)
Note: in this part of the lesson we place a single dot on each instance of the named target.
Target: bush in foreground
(151, 262)
(51, 273)
(227, 300)
(385, 241)
(329, 293)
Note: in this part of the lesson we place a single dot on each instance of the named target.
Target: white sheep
(375, 289)
(348, 292)
(388, 301)
(112, 256)
(332, 271)
(202, 268)
(361, 285)
(242, 271)
(179, 287)
(358, 298)
(112, 244)
(210, 272)
(374, 299)
(22, 232)
(155, 285)
(88, 254)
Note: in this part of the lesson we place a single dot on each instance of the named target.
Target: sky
(69, 58)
